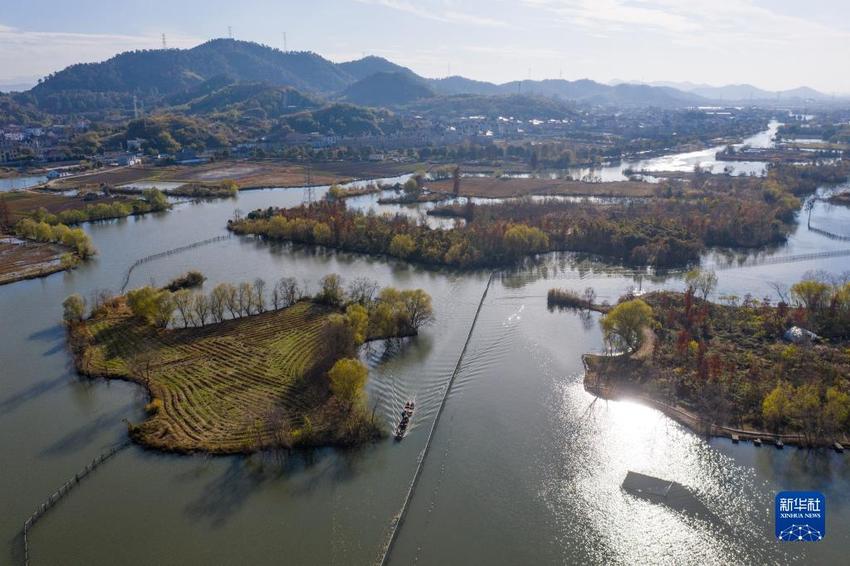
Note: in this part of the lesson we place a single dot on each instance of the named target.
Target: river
(524, 468)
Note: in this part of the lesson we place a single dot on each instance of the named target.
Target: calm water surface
(525, 467)
(14, 183)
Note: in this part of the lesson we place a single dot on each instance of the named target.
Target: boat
(404, 423)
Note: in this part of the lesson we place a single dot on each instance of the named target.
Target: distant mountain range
(739, 92)
(239, 75)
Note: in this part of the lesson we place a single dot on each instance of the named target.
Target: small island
(670, 229)
(746, 368)
(246, 367)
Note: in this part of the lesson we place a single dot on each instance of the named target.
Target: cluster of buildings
(42, 143)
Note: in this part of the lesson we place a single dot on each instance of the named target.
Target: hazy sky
(773, 44)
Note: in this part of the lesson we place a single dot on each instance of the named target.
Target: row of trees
(367, 312)
(152, 200)
(74, 238)
(817, 411)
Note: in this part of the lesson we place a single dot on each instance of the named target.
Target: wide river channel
(524, 467)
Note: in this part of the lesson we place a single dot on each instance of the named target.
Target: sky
(773, 44)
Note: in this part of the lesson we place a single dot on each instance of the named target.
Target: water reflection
(525, 466)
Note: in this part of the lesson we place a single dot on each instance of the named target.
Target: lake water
(525, 467)
(15, 183)
(684, 162)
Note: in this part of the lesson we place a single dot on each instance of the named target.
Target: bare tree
(218, 302)
(782, 291)
(289, 291)
(183, 301)
(201, 308)
(589, 296)
(141, 366)
(231, 300)
(363, 290)
(260, 294)
(99, 297)
(245, 296)
(277, 297)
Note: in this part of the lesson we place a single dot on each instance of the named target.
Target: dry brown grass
(23, 203)
(512, 187)
(28, 260)
(248, 174)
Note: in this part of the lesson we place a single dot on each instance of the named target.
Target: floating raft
(669, 493)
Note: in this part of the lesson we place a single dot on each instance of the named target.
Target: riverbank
(246, 174)
(598, 368)
(21, 260)
(728, 370)
(232, 387)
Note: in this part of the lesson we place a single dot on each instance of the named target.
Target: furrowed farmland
(236, 386)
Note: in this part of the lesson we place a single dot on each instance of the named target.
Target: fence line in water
(57, 495)
(172, 251)
(399, 519)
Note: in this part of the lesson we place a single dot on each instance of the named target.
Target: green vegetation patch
(736, 364)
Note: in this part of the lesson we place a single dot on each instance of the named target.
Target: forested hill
(388, 89)
(160, 77)
(167, 71)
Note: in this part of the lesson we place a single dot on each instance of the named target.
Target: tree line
(74, 238)
(368, 312)
(662, 232)
(152, 200)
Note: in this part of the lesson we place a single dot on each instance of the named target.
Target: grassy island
(229, 372)
(734, 368)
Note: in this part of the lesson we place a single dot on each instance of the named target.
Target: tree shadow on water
(83, 436)
(12, 402)
(298, 471)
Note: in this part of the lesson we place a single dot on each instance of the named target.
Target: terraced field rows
(225, 387)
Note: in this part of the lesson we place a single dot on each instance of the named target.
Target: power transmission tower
(230, 32)
(135, 107)
(308, 182)
(164, 44)
(284, 43)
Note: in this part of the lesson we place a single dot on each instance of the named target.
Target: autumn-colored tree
(776, 406)
(73, 308)
(402, 246)
(624, 325)
(347, 380)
